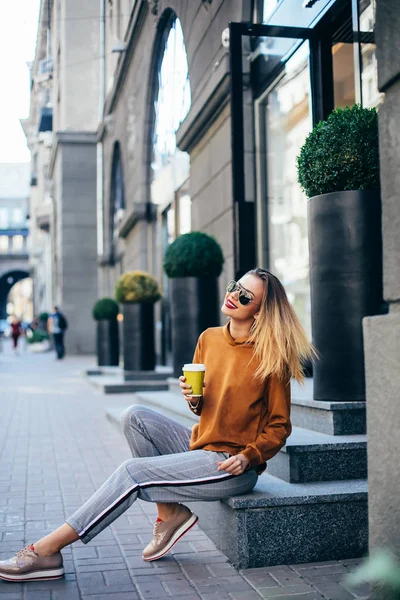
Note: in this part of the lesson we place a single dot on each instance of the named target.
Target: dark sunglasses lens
(243, 299)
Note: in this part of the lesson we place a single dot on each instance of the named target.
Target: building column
(382, 333)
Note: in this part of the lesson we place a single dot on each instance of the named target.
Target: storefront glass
(294, 13)
(287, 124)
(369, 71)
(343, 74)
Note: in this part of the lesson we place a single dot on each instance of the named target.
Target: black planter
(107, 343)
(345, 243)
(194, 307)
(138, 337)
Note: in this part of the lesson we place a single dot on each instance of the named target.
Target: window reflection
(4, 243)
(369, 70)
(343, 74)
(173, 100)
(287, 126)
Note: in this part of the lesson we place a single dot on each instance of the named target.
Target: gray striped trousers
(162, 469)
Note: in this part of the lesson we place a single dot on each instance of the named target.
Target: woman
(16, 332)
(244, 421)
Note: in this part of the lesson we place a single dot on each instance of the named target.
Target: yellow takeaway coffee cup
(194, 375)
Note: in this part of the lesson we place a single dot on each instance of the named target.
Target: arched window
(117, 199)
(172, 98)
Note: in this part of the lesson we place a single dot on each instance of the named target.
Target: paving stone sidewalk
(56, 448)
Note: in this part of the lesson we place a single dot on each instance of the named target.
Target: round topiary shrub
(137, 286)
(44, 316)
(341, 153)
(194, 254)
(105, 309)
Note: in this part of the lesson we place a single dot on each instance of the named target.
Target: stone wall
(382, 333)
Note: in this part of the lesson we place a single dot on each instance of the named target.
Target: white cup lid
(193, 367)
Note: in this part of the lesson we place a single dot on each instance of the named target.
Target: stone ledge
(272, 491)
(283, 531)
(114, 384)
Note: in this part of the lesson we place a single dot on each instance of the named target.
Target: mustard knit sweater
(239, 414)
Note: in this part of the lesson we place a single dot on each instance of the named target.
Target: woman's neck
(240, 329)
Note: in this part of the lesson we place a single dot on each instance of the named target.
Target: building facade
(61, 132)
(188, 148)
(14, 228)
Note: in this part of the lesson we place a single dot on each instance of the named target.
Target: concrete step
(310, 456)
(282, 523)
(117, 385)
(146, 375)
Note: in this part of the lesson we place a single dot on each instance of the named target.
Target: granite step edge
(271, 491)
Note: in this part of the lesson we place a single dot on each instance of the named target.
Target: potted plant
(38, 340)
(43, 320)
(105, 312)
(137, 291)
(338, 168)
(193, 262)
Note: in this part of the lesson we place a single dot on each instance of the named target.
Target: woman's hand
(235, 465)
(185, 388)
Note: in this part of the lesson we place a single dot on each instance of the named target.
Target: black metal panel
(321, 73)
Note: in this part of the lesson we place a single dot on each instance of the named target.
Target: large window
(285, 120)
(4, 243)
(4, 218)
(173, 99)
(369, 70)
(117, 200)
(169, 166)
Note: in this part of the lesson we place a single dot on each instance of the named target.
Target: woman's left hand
(235, 465)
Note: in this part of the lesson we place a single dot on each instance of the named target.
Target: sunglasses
(244, 296)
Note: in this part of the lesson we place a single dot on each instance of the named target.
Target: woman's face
(233, 308)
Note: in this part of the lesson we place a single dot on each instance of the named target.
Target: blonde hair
(280, 342)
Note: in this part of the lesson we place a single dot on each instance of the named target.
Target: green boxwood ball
(137, 286)
(341, 153)
(194, 254)
(105, 308)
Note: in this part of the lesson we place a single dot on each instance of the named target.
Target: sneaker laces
(156, 527)
(24, 551)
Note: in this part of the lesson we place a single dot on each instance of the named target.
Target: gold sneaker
(168, 533)
(27, 565)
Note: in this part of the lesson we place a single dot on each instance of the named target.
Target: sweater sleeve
(196, 405)
(278, 427)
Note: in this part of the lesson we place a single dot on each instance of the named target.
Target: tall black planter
(138, 337)
(107, 343)
(194, 307)
(346, 285)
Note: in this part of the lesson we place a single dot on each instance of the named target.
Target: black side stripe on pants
(142, 486)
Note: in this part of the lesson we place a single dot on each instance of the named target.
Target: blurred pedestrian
(57, 326)
(16, 332)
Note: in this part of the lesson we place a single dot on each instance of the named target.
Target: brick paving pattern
(56, 448)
